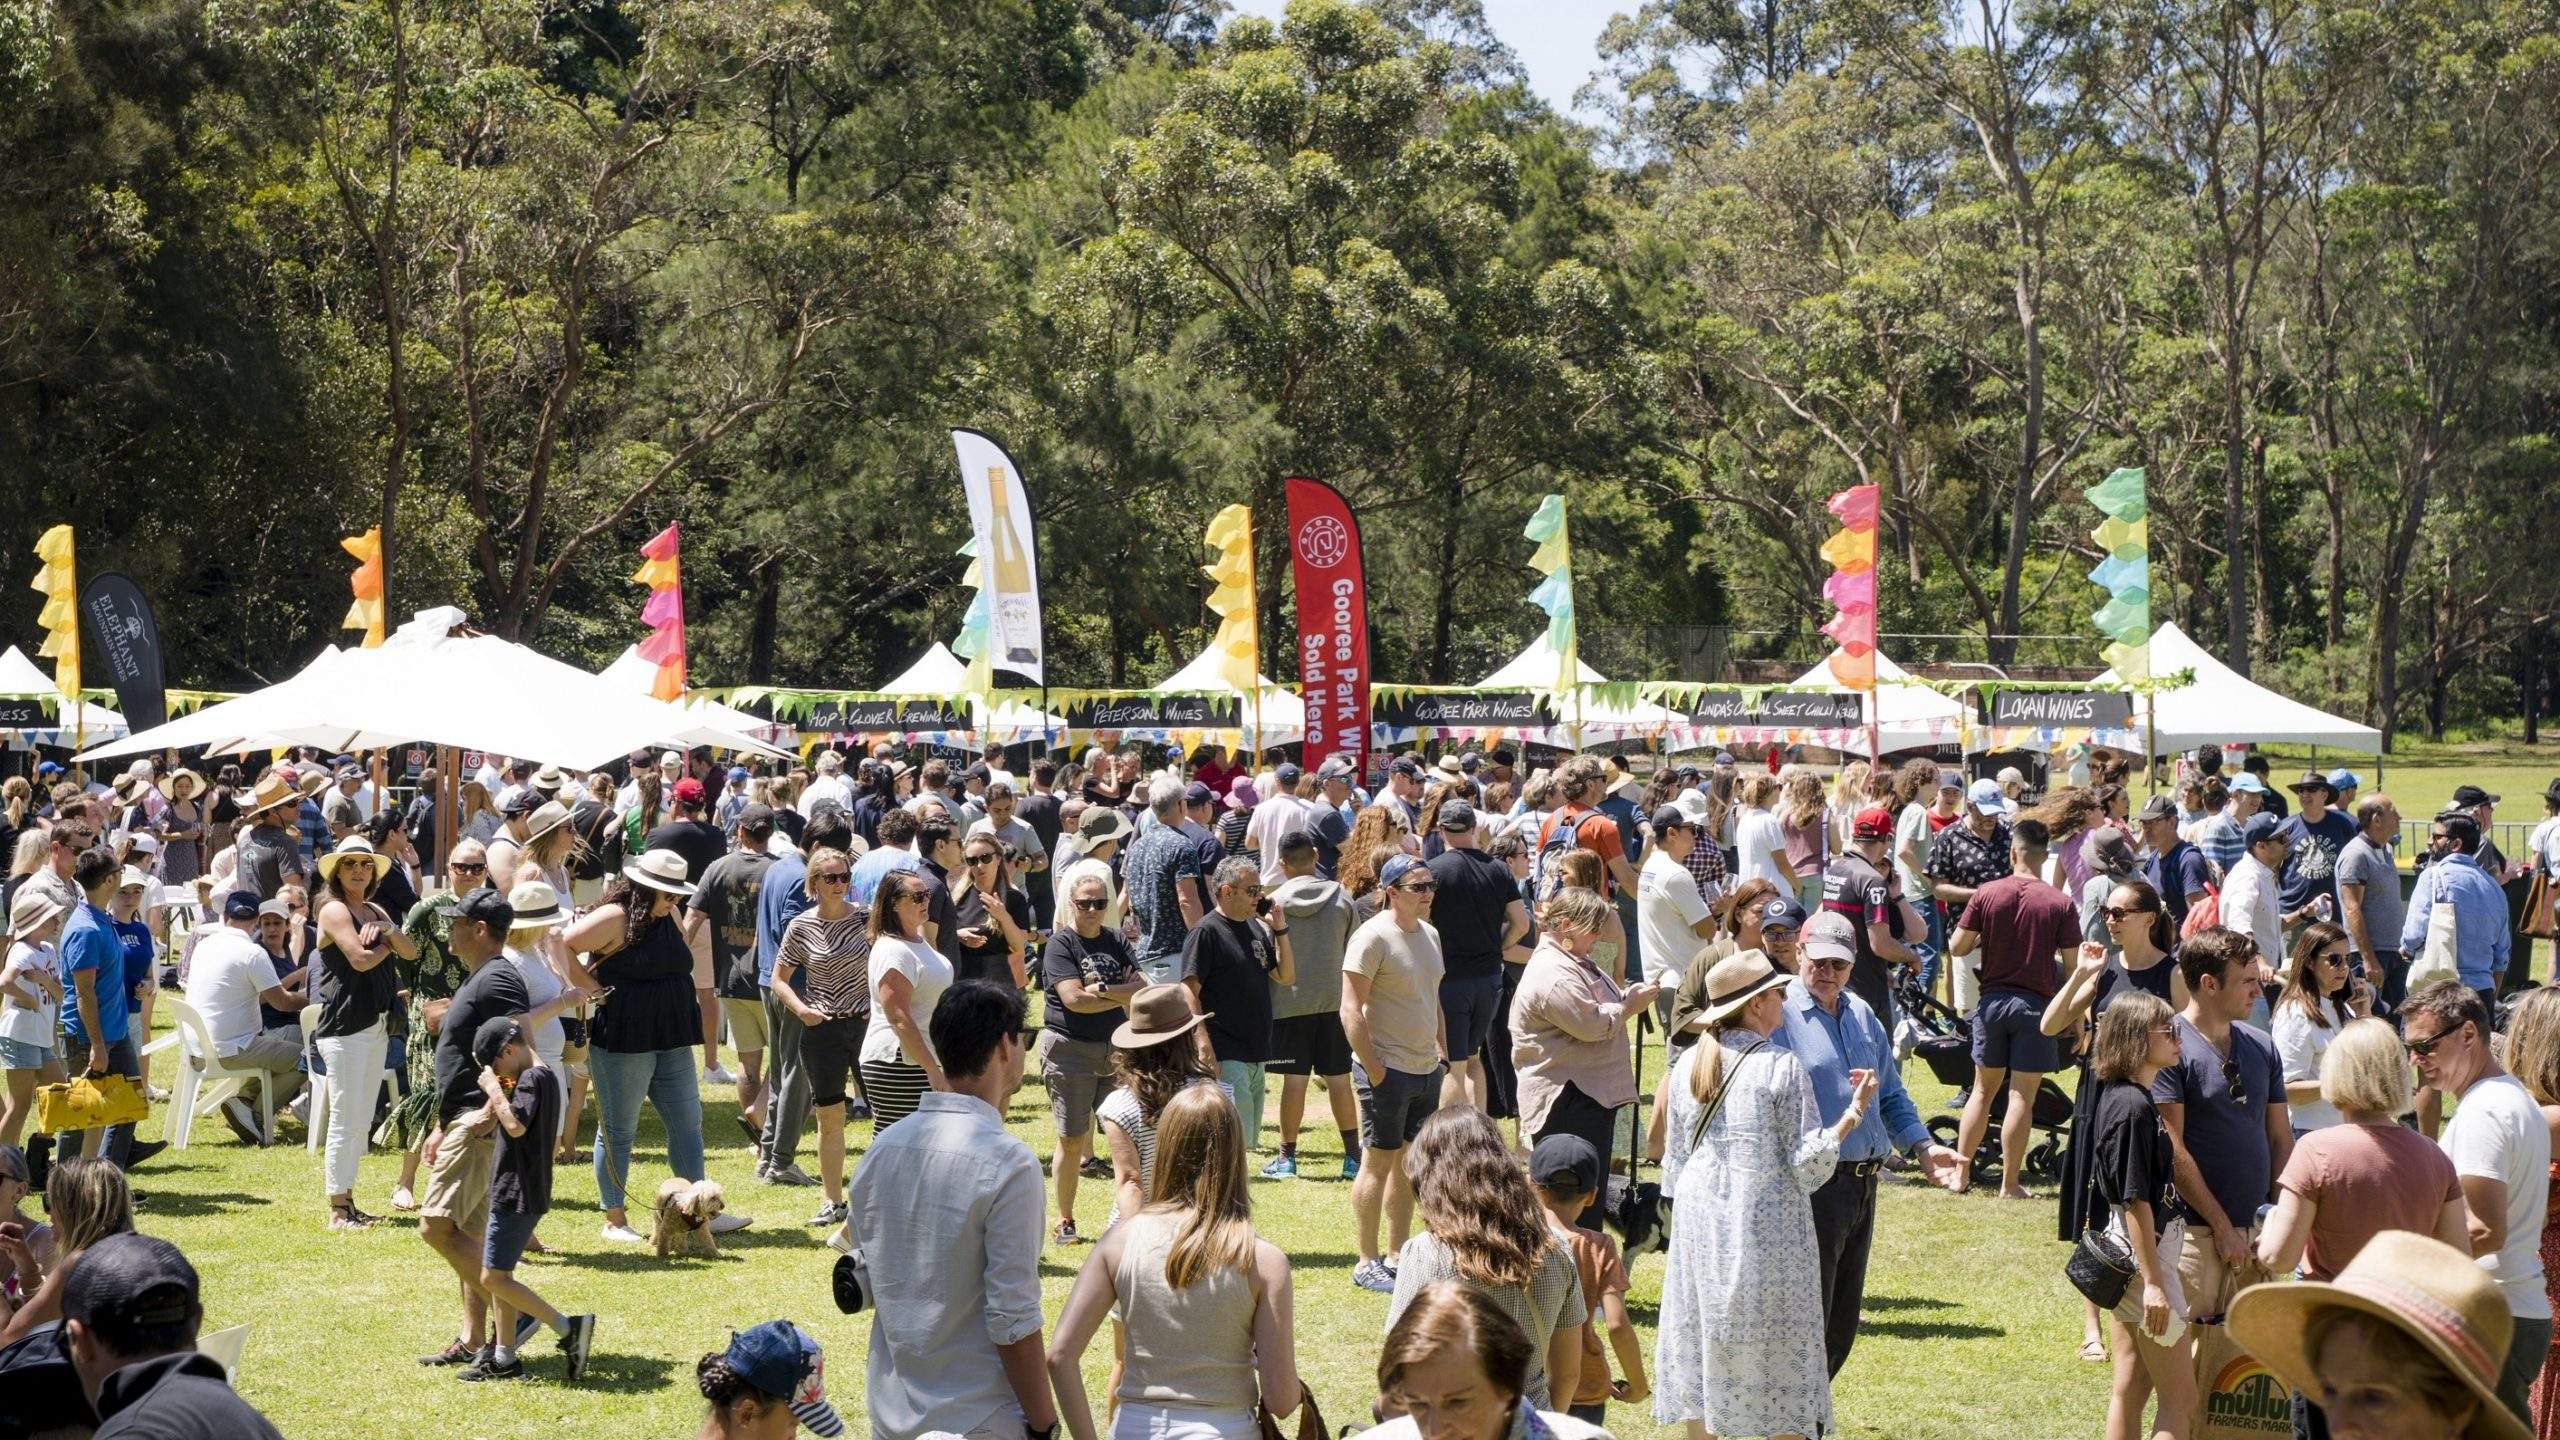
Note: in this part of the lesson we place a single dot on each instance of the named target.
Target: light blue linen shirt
(1830, 1044)
(2481, 929)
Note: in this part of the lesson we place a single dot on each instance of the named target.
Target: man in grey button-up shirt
(947, 1208)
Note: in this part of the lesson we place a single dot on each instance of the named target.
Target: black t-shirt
(698, 841)
(493, 990)
(792, 823)
(1233, 961)
(727, 900)
(520, 1182)
(989, 961)
(2131, 1157)
(939, 908)
(1856, 889)
(1040, 812)
(395, 894)
(1475, 892)
(598, 852)
(1100, 961)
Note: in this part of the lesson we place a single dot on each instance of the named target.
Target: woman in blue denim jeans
(644, 1035)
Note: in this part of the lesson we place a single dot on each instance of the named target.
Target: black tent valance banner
(25, 714)
(888, 715)
(2062, 709)
(1779, 709)
(1156, 712)
(1420, 710)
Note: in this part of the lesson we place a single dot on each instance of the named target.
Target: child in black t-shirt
(524, 1103)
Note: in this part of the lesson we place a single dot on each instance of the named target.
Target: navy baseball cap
(1199, 793)
(1565, 1158)
(778, 1358)
(1781, 912)
(1287, 774)
(2261, 827)
(240, 905)
(1398, 868)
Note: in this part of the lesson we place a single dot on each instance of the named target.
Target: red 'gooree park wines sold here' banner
(1333, 622)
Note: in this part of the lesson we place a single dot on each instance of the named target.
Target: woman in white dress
(1740, 1346)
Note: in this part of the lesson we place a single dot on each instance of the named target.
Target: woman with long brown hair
(1157, 1053)
(1203, 1303)
(355, 986)
(640, 1044)
(2308, 1015)
(1804, 822)
(1489, 1234)
(1740, 1348)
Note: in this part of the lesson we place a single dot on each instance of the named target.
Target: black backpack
(39, 1388)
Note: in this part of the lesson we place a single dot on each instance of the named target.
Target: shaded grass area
(1970, 1327)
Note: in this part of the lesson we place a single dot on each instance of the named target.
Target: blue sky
(1553, 38)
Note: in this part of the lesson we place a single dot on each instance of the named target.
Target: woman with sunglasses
(2129, 1182)
(820, 975)
(991, 913)
(2137, 958)
(2318, 998)
(907, 977)
(355, 987)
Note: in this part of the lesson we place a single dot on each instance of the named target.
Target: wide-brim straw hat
(662, 870)
(355, 845)
(546, 817)
(169, 783)
(2418, 1285)
(537, 906)
(1156, 1014)
(272, 790)
(1736, 979)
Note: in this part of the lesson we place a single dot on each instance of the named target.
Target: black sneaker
(578, 1344)
(488, 1368)
(141, 1150)
(457, 1353)
(1095, 1168)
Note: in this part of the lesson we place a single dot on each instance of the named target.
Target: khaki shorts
(746, 1024)
(458, 1183)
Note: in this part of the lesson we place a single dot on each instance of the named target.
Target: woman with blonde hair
(87, 1201)
(1850, 794)
(26, 857)
(2368, 1173)
(355, 985)
(1204, 1304)
(2533, 1057)
(1804, 822)
(1740, 1349)
(1488, 1233)
(476, 816)
(1377, 836)
(1759, 837)
(1568, 1030)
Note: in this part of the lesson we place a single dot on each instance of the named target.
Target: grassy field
(1970, 1328)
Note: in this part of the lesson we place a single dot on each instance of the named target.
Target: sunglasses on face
(982, 859)
(1420, 887)
(2122, 912)
(1819, 962)
(833, 878)
(1090, 906)
(917, 896)
(2427, 1047)
(2332, 957)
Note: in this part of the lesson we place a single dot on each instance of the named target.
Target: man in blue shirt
(2175, 868)
(308, 817)
(1835, 1034)
(93, 1000)
(2480, 924)
(784, 894)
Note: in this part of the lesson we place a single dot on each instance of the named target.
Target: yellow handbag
(88, 1103)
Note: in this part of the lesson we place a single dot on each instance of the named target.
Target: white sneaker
(729, 1222)
(623, 1235)
(716, 1075)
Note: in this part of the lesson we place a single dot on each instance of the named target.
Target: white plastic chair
(224, 1347)
(204, 1082)
(316, 1128)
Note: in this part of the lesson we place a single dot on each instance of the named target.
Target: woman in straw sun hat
(1740, 1349)
(641, 1043)
(355, 988)
(2405, 1344)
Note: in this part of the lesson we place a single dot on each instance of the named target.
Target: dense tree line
(521, 281)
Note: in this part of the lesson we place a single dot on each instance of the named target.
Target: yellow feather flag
(1239, 641)
(59, 582)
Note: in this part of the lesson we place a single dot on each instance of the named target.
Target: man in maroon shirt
(2027, 931)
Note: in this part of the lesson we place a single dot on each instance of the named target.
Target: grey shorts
(1392, 1111)
(2008, 1034)
(23, 1055)
(1470, 1008)
(1077, 1074)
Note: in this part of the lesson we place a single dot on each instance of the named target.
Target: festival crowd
(2298, 1103)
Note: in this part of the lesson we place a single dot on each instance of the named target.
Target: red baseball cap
(1873, 823)
(688, 791)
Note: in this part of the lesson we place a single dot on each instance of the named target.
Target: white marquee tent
(636, 676)
(21, 678)
(1596, 720)
(428, 685)
(942, 675)
(1275, 717)
(1908, 715)
(2222, 706)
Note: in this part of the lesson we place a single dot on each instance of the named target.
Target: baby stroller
(1944, 1042)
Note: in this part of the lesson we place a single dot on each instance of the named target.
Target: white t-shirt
(1667, 906)
(40, 1026)
(826, 787)
(2300, 1044)
(1762, 842)
(2497, 1133)
(2249, 906)
(927, 971)
(541, 987)
(1276, 816)
(224, 977)
(1911, 834)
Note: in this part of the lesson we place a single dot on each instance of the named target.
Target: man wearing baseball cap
(1482, 924)
(1886, 927)
(1279, 812)
(2252, 887)
(1967, 855)
(2026, 932)
(228, 977)
(130, 1314)
(2175, 868)
(2482, 807)
(1672, 919)
(2319, 832)
(1835, 1035)
(2220, 836)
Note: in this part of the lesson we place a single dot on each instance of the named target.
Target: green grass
(1971, 1329)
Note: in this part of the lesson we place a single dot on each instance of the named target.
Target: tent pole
(448, 795)
(2150, 741)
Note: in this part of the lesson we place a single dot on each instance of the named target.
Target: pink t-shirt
(2365, 1179)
